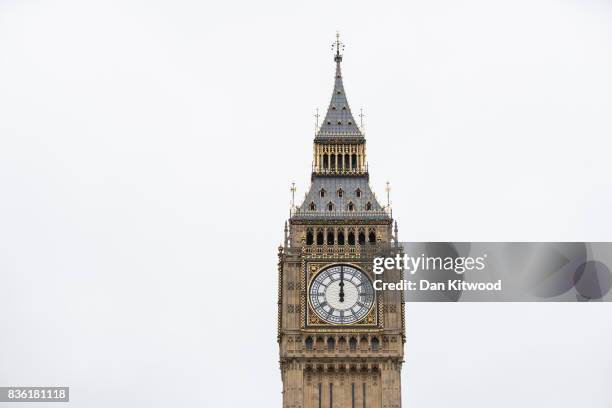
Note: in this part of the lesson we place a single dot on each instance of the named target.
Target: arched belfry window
(351, 238)
(330, 206)
(309, 343)
(312, 206)
(309, 237)
(330, 237)
(332, 159)
(354, 161)
(361, 238)
(368, 206)
(340, 237)
(322, 192)
(331, 344)
(320, 237)
(325, 161)
(372, 237)
(358, 193)
(340, 192)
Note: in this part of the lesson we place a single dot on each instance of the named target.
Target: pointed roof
(339, 121)
(356, 191)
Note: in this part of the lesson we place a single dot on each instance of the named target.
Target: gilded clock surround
(373, 320)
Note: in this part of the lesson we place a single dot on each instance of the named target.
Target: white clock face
(341, 294)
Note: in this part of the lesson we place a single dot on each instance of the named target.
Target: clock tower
(341, 342)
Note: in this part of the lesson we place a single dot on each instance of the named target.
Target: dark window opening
(319, 237)
(374, 344)
(354, 161)
(351, 238)
(331, 344)
(340, 192)
(372, 237)
(325, 161)
(322, 192)
(330, 206)
(340, 237)
(368, 206)
(351, 206)
(309, 237)
(309, 343)
(358, 193)
(361, 238)
(330, 238)
(312, 206)
(353, 344)
(332, 159)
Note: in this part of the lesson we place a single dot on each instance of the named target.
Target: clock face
(341, 294)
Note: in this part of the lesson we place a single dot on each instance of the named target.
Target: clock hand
(341, 284)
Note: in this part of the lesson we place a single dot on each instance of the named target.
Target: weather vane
(338, 45)
(317, 119)
(388, 190)
(361, 115)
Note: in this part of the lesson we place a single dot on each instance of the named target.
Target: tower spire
(339, 121)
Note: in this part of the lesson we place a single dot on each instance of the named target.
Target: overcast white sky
(146, 153)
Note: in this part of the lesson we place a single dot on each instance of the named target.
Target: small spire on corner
(293, 189)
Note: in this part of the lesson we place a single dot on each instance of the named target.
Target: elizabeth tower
(341, 342)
